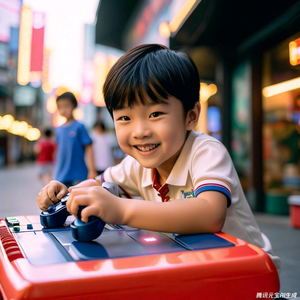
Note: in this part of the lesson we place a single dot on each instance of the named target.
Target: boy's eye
(155, 114)
(124, 118)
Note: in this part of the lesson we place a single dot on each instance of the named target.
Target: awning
(223, 24)
(111, 21)
(231, 24)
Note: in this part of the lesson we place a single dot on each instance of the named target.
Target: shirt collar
(179, 173)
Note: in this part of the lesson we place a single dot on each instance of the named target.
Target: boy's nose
(141, 130)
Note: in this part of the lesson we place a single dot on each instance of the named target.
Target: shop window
(281, 122)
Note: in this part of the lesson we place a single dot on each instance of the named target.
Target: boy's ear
(193, 116)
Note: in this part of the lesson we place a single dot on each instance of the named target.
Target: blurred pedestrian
(74, 143)
(103, 144)
(44, 150)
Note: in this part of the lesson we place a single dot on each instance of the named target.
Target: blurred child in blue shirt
(73, 143)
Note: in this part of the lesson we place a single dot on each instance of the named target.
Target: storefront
(250, 45)
(281, 122)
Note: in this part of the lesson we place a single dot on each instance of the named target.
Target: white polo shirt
(203, 165)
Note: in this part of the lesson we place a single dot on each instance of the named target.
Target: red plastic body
(238, 272)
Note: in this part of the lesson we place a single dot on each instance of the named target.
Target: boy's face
(65, 108)
(153, 133)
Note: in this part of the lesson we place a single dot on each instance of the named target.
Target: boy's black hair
(68, 95)
(151, 71)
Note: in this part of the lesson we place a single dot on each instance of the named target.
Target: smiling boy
(187, 179)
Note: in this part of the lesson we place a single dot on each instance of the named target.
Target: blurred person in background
(44, 150)
(74, 145)
(103, 144)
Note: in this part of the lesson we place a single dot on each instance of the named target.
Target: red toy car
(127, 263)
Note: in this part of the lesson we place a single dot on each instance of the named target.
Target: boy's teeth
(147, 148)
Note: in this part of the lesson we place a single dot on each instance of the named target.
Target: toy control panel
(56, 216)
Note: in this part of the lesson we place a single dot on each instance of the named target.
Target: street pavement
(286, 244)
(19, 186)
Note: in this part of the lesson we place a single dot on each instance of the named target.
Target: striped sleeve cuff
(214, 185)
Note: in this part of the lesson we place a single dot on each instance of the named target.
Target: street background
(20, 186)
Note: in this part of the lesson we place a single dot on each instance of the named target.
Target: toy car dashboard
(127, 263)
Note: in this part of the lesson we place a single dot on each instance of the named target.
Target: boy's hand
(98, 201)
(51, 194)
(85, 183)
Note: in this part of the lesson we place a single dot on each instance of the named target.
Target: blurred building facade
(46, 48)
(249, 54)
(19, 105)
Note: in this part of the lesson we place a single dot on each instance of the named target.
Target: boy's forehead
(145, 100)
(139, 103)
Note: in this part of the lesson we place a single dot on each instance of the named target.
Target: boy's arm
(90, 161)
(204, 214)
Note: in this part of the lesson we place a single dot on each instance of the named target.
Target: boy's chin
(146, 164)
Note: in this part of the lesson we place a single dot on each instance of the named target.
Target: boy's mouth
(146, 148)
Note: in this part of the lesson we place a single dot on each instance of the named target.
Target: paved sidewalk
(19, 187)
(286, 244)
